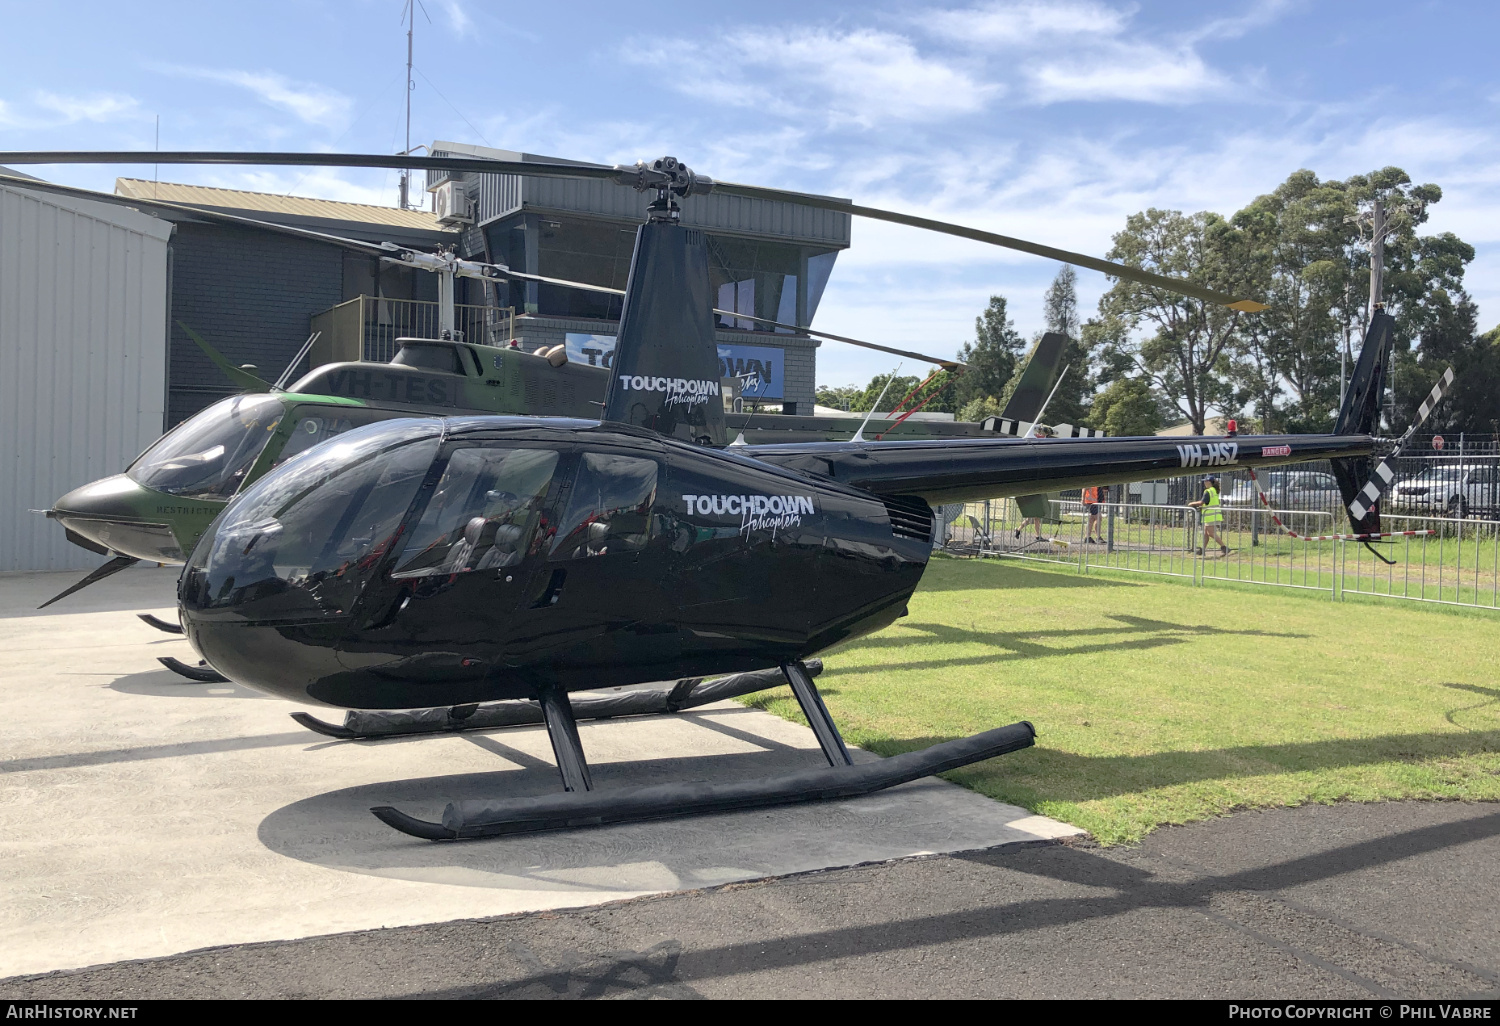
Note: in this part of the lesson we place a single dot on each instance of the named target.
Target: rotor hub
(670, 179)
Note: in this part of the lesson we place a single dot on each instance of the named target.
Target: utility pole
(1377, 285)
(1344, 352)
(411, 24)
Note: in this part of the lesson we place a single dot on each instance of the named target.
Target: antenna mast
(411, 24)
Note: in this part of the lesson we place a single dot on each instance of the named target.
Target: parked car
(1287, 489)
(1452, 490)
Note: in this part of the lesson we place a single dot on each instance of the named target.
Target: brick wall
(251, 295)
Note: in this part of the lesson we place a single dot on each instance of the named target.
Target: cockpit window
(207, 456)
(609, 507)
(317, 424)
(301, 541)
(437, 356)
(483, 513)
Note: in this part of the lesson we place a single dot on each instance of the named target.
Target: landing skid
(161, 625)
(578, 807)
(665, 801)
(202, 673)
(114, 566)
(685, 694)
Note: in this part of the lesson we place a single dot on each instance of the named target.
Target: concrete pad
(145, 815)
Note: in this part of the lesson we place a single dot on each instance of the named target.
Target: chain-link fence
(1457, 562)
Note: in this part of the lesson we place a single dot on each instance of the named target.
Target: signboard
(1437, 442)
(762, 368)
(594, 350)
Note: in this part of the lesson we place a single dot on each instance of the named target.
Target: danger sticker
(1276, 450)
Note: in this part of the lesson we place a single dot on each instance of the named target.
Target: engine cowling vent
(910, 518)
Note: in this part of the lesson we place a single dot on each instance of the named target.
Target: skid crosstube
(685, 694)
(635, 804)
(159, 624)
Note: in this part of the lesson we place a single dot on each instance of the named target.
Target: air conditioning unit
(451, 204)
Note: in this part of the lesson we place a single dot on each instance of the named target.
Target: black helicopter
(422, 563)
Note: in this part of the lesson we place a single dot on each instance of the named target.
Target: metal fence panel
(1457, 562)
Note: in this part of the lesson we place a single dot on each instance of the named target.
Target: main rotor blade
(482, 165)
(623, 176)
(943, 362)
(1109, 267)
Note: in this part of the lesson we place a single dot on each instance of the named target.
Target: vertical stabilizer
(665, 375)
(1360, 415)
(1031, 391)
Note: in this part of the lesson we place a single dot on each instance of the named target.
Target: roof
(213, 198)
(84, 203)
(1211, 426)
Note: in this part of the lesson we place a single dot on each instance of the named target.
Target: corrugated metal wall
(83, 292)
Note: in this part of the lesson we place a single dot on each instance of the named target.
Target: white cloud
(1261, 13)
(51, 110)
(1125, 71)
(1075, 192)
(864, 77)
(307, 101)
(1086, 50)
(95, 107)
(458, 18)
(1025, 24)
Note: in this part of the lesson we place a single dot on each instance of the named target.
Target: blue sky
(1048, 121)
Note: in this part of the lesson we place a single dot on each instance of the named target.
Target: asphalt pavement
(1392, 900)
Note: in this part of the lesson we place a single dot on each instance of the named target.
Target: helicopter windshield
(208, 455)
(302, 540)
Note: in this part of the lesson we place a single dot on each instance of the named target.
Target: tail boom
(970, 470)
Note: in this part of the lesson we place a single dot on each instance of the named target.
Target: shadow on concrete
(152, 589)
(111, 756)
(166, 684)
(1134, 889)
(335, 829)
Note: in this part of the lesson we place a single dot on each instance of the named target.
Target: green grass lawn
(1158, 702)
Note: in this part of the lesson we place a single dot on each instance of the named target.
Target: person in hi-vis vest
(1213, 515)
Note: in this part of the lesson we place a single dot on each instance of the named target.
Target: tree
(1305, 236)
(1061, 302)
(1127, 408)
(1472, 403)
(1187, 355)
(1314, 239)
(976, 410)
(934, 397)
(991, 357)
(1070, 404)
(837, 398)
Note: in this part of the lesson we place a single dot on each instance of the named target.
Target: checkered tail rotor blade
(1385, 471)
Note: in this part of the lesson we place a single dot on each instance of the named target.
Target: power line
(455, 109)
